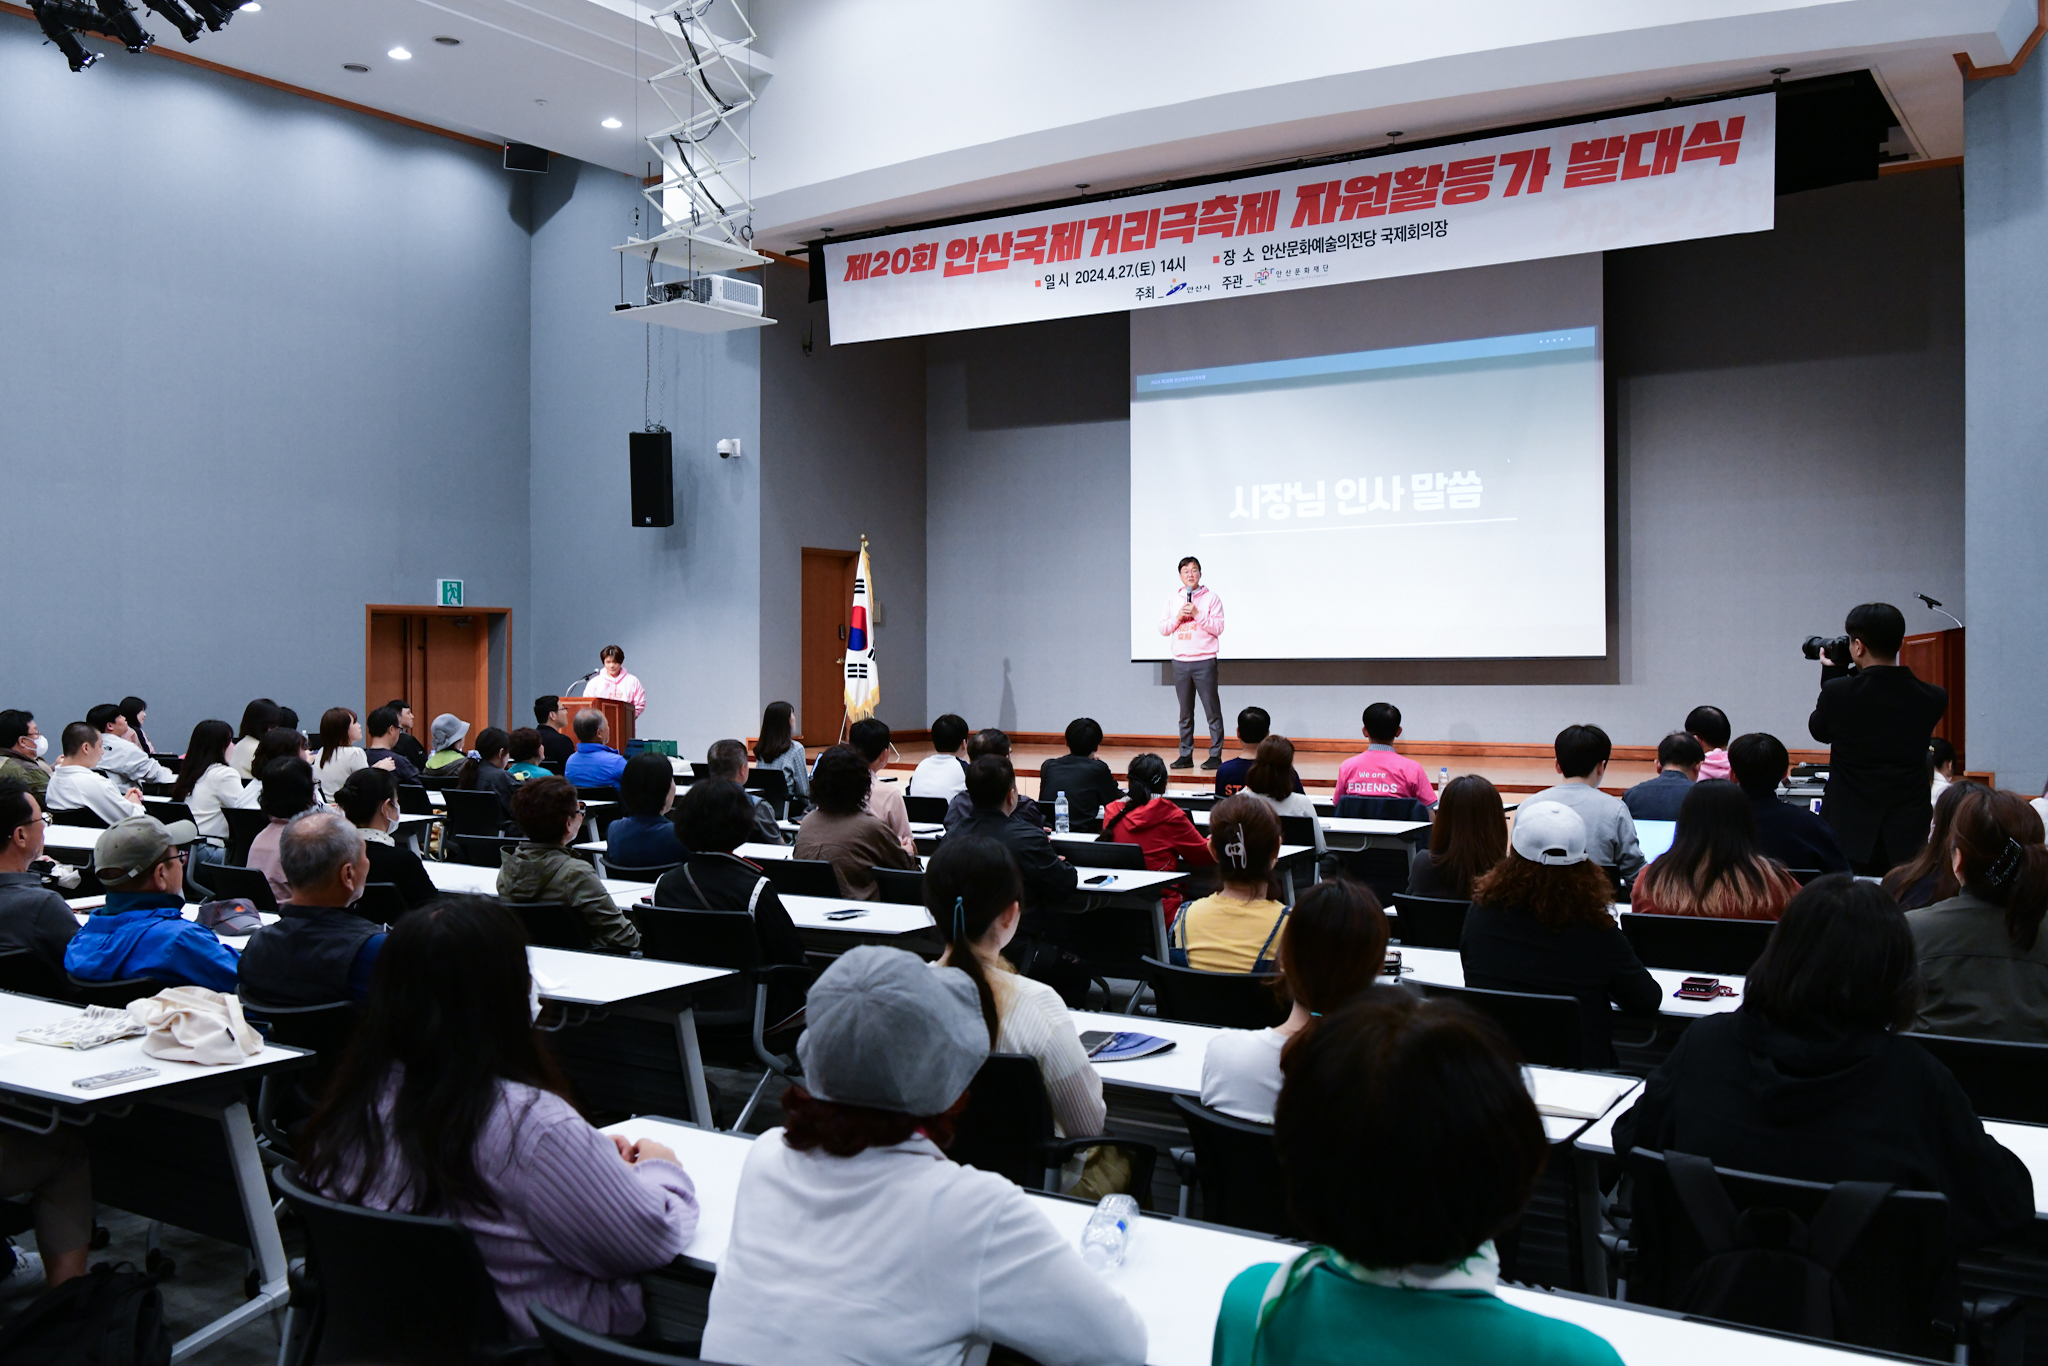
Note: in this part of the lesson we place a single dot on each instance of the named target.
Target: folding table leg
(268, 1247)
(693, 1069)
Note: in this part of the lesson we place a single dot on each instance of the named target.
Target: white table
(645, 988)
(1176, 1271)
(37, 1084)
(74, 840)
(473, 880)
(871, 918)
(1444, 968)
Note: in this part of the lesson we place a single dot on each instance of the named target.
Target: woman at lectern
(614, 682)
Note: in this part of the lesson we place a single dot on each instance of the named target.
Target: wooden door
(439, 660)
(456, 677)
(827, 612)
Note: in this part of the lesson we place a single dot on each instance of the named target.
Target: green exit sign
(451, 593)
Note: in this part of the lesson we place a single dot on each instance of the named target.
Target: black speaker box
(524, 156)
(654, 479)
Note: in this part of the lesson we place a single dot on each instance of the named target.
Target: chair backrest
(473, 812)
(1384, 870)
(1802, 876)
(597, 794)
(1898, 1277)
(325, 1028)
(244, 825)
(1100, 854)
(171, 762)
(399, 1288)
(1428, 922)
(1382, 808)
(553, 926)
(76, 815)
(412, 800)
(903, 886)
(700, 771)
(226, 882)
(167, 812)
(773, 786)
(484, 851)
(1007, 1120)
(715, 939)
(1228, 1000)
(117, 993)
(1238, 1170)
(1697, 943)
(800, 877)
(1545, 1029)
(1299, 830)
(925, 810)
(570, 1345)
(381, 902)
(2003, 1080)
(1194, 801)
(1622, 890)
(623, 872)
(24, 972)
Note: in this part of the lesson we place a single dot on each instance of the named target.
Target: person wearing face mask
(319, 950)
(22, 748)
(370, 801)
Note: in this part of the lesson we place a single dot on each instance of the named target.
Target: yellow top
(1223, 934)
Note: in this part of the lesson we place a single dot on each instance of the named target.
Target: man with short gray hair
(319, 951)
(728, 759)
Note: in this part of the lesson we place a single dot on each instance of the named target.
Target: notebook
(1123, 1045)
(1576, 1095)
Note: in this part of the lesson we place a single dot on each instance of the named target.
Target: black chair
(1238, 1171)
(1382, 808)
(381, 902)
(484, 851)
(801, 877)
(1194, 801)
(76, 815)
(623, 872)
(1622, 890)
(324, 1030)
(226, 882)
(773, 786)
(1429, 922)
(2003, 1080)
(398, 1288)
(900, 886)
(1802, 876)
(596, 794)
(244, 825)
(1007, 1128)
(24, 972)
(1545, 1029)
(569, 1345)
(413, 801)
(117, 993)
(167, 812)
(699, 772)
(550, 925)
(1227, 1000)
(1299, 830)
(473, 812)
(1697, 943)
(925, 810)
(553, 766)
(1383, 870)
(1100, 854)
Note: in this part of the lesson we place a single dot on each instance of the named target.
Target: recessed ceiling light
(251, 8)
(399, 54)
(445, 41)
(353, 66)
(612, 123)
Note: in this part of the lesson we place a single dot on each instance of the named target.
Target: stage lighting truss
(702, 152)
(62, 20)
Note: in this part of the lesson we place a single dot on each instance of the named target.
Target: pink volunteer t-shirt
(1380, 772)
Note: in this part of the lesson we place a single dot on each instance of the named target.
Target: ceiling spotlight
(612, 123)
(445, 41)
(252, 8)
(354, 66)
(399, 54)
(182, 19)
(216, 13)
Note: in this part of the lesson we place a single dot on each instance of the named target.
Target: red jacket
(1169, 839)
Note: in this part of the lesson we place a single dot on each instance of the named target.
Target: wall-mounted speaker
(652, 455)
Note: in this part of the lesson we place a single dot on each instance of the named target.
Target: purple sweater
(575, 1223)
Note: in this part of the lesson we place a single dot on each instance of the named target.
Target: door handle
(842, 633)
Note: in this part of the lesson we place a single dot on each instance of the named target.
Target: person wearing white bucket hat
(1540, 923)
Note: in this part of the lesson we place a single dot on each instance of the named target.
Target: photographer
(1877, 719)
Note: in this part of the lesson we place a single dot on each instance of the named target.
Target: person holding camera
(1876, 718)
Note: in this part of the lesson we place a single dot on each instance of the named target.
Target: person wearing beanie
(855, 1238)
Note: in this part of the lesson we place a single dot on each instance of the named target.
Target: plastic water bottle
(1108, 1233)
(1059, 813)
(1443, 777)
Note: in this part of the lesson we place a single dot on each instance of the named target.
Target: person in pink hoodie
(1194, 619)
(1709, 726)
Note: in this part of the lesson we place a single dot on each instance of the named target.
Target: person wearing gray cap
(1540, 923)
(855, 1239)
(142, 931)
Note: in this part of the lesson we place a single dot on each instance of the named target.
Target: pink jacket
(1197, 638)
(1716, 765)
(624, 688)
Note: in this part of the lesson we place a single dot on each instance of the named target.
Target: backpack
(111, 1316)
(1765, 1267)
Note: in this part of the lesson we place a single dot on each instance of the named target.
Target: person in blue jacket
(142, 930)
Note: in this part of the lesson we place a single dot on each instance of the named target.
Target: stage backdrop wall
(1787, 431)
(266, 363)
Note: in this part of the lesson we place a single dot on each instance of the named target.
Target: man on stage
(1195, 621)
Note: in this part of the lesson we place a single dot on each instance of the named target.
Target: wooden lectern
(618, 717)
(1937, 657)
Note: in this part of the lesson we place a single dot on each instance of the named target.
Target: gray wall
(2005, 123)
(842, 455)
(1787, 427)
(266, 362)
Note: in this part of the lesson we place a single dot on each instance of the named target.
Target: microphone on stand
(575, 689)
(1937, 607)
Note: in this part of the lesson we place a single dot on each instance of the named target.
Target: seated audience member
(543, 871)
(645, 837)
(339, 751)
(1539, 923)
(869, 738)
(1085, 779)
(449, 731)
(1944, 765)
(1048, 878)
(552, 720)
(1981, 954)
(996, 742)
(135, 711)
(370, 801)
(715, 817)
(408, 746)
(564, 1216)
(75, 786)
(1272, 779)
(319, 950)
(209, 785)
(1930, 875)
(781, 748)
(32, 917)
(1404, 1214)
(1712, 867)
(728, 759)
(595, 763)
(943, 772)
(119, 754)
(21, 752)
(524, 747)
(823, 1265)
(282, 743)
(1160, 828)
(1678, 767)
(1331, 950)
(487, 770)
(142, 931)
(1234, 928)
(1468, 837)
(1380, 771)
(259, 718)
(841, 831)
(287, 790)
(382, 744)
(1582, 755)
(1253, 725)
(1811, 1080)
(1709, 726)
(287, 718)
(1791, 834)
(973, 891)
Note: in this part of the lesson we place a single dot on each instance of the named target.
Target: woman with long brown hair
(1272, 778)
(1468, 837)
(1930, 875)
(1981, 951)
(1712, 867)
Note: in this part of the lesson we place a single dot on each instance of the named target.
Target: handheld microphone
(1191, 595)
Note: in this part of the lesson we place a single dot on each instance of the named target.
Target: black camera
(1824, 651)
